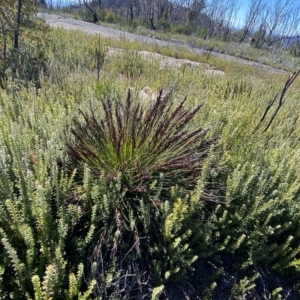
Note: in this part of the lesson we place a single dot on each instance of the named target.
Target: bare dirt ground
(89, 28)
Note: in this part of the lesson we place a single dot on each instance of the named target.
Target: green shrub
(34, 223)
(164, 25)
(28, 62)
(109, 16)
(130, 64)
(182, 28)
(294, 50)
(24, 66)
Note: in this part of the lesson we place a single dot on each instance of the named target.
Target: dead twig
(266, 112)
(280, 102)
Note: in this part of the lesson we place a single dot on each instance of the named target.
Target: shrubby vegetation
(22, 55)
(105, 195)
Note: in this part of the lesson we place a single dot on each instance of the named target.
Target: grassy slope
(259, 168)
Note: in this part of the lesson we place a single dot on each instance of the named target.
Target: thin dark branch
(266, 112)
(286, 87)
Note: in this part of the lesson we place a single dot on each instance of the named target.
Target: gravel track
(89, 28)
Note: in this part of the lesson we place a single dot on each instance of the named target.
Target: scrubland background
(85, 215)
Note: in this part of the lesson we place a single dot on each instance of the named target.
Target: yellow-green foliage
(50, 213)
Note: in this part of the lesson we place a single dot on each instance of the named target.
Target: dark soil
(226, 277)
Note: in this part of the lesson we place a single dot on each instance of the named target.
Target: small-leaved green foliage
(49, 212)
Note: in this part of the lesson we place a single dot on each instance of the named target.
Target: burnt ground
(199, 283)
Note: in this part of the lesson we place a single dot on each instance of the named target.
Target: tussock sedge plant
(142, 143)
(136, 156)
